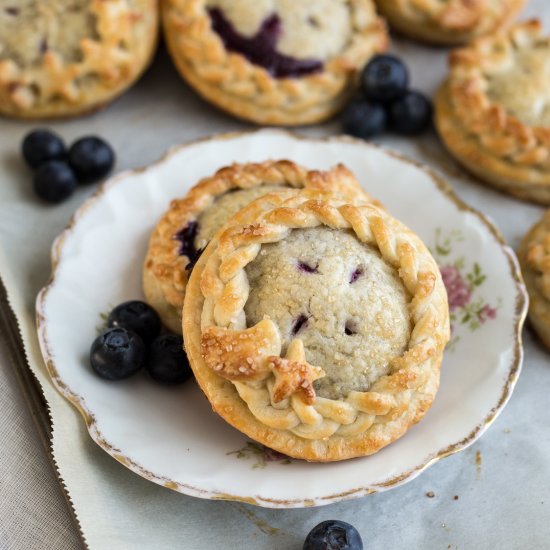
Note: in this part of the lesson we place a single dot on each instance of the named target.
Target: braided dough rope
(165, 275)
(485, 136)
(248, 91)
(127, 36)
(451, 21)
(278, 393)
(534, 258)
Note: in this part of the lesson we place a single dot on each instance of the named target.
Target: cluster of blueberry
(386, 102)
(58, 171)
(333, 535)
(133, 341)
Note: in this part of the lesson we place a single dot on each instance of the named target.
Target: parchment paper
(493, 495)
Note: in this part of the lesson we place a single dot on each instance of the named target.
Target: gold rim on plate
(89, 418)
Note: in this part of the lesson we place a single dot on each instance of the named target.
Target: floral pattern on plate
(171, 436)
(464, 281)
(261, 455)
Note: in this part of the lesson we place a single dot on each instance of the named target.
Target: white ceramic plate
(170, 435)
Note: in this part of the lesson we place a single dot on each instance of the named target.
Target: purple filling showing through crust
(194, 259)
(351, 328)
(186, 237)
(260, 48)
(355, 275)
(300, 322)
(306, 268)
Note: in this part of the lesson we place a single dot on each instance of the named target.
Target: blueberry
(384, 78)
(363, 119)
(138, 317)
(410, 114)
(117, 353)
(168, 363)
(333, 535)
(41, 146)
(54, 181)
(91, 158)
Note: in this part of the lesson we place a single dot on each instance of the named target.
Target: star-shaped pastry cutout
(293, 374)
(61, 77)
(241, 355)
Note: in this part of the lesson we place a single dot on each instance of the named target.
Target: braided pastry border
(491, 142)
(164, 272)
(278, 391)
(126, 42)
(453, 22)
(248, 91)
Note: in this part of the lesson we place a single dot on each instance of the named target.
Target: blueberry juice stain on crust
(260, 48)
(186, 237)
(306, 268)
(351, 328)
(355, 275)
(299, 323)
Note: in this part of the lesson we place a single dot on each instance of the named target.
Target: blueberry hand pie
(534, 258)
(316, 326)
(189, 224)
(448, 21)
(63, 58)
(493, 111)
(273, 61)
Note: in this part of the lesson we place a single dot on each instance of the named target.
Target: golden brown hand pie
(316, 326)
(62, 58)
(448, 21)
(493, 111)
(534, 258)
(189, 224)
(273, 61)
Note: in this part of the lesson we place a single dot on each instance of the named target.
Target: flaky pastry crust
(272, 398)
(448, 21)
(164, 272)
(534, 258)
(118, 46)
(248, 91)
(492, 111)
